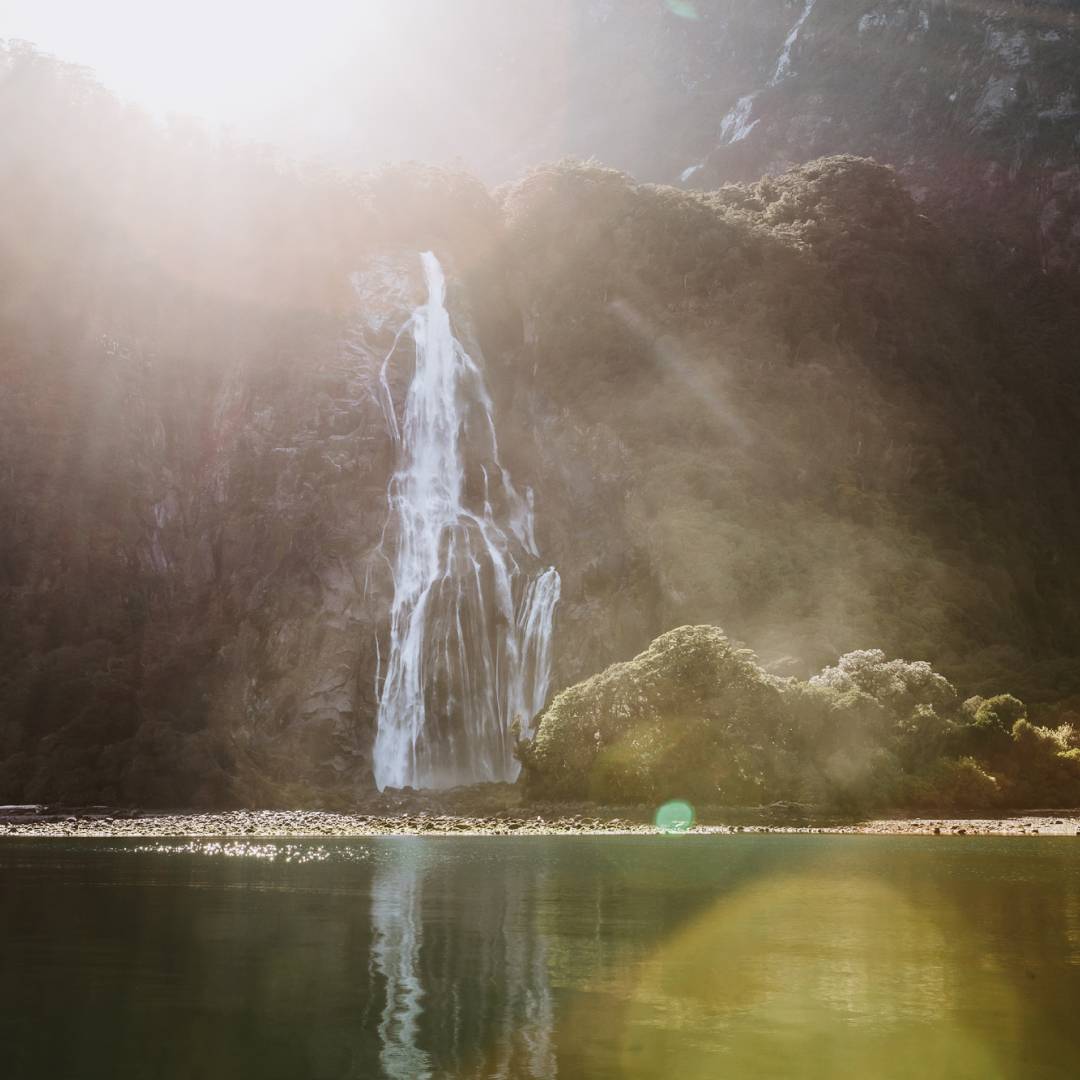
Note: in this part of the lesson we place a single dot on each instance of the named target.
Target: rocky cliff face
(975, 102)
(976, 105)
(801, 408)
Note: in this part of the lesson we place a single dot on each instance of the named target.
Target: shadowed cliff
(802, 408)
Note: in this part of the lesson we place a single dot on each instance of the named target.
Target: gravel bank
(38, 822)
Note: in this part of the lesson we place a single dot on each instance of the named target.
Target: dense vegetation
(798, 408)
(172, 309)
(828, 423)
(696, 716)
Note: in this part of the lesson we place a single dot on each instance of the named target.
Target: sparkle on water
(302, 851)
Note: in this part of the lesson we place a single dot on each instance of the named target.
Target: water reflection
(543, 957)
(463, 977)
(815, 976)
(793, 961)
(395, 956)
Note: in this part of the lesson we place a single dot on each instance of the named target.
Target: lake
(571, 956)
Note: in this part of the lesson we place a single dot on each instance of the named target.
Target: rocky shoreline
(108, 823)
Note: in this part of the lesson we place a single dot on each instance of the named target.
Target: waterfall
(737, 124)
(783, 65)
(472, 610)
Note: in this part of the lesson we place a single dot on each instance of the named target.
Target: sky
(356, 82)
(491, 86)
(230, 62)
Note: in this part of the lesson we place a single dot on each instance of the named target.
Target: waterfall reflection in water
(480, 980)
(395, 957)
(755, 956)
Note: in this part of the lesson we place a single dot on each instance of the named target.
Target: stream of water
(737, 123)
(473, 606)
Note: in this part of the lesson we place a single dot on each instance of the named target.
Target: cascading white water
(737, 124)
(783, 64)
(472, 613)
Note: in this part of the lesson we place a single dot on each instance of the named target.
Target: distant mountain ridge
(975, 102)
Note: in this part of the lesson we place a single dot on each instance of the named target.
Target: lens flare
(675, 816)
(685, 9)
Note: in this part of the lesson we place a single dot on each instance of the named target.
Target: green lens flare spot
(675, 816)
(685, 9)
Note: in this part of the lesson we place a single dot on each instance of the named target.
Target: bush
(987, 732)
(899, 685)
(693, 715)
(1044, 767)
(696, 716)
(953, 785)
(1000, 714)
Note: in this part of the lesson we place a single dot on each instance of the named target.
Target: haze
(251, 58)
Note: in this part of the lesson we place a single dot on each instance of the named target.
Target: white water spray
(471, 619)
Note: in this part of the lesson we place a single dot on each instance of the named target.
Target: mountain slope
(975, 102)
(800, 408)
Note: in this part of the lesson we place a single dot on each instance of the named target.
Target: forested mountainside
(977, 105)
(975, 102)
(807, 408)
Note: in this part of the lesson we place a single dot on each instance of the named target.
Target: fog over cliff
(976, 103)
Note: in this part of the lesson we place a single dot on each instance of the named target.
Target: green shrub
(1000, 714)
(692, 715)
(952, 784)
(899, 685)
(697, 717)
(1044, 767)
(987, 727)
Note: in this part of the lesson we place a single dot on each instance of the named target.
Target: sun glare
(230, 63)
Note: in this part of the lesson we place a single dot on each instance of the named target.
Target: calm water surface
(742, 957)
